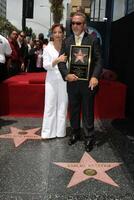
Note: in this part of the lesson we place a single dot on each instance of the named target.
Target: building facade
(83, 4)
(97, 8)
(3, 8)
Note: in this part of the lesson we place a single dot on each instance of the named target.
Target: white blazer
(50, 54)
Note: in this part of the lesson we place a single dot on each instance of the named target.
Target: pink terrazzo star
(80, 56)
(88, 168)
(19, 136)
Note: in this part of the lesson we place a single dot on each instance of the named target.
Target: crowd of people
(19, 53)
(61, 86)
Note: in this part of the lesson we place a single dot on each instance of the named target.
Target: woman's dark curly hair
(58, 25)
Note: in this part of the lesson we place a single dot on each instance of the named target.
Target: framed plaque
(79, 61)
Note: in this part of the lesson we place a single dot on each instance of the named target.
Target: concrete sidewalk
(32, 171)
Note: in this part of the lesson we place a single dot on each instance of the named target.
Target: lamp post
(23, 15)
(44, 6)
(27, 11)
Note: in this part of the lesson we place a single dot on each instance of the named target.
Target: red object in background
(110, 100)
(23, 95)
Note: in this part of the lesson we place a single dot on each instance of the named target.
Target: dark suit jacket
(96, 61)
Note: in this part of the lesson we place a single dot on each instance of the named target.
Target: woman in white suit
(56, 100)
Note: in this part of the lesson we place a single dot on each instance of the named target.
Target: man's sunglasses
(77, 23)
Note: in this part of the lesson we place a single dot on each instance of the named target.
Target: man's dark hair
(41, 36)
(45, 41)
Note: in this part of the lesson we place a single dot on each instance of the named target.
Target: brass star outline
(88, 168)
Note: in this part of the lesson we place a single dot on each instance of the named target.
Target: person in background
(23, 50)
(41, 36)
(32, 43)
(5, 52)
(56, 101)
(35, 58)
(28, 40)
(81, 93)
(14, 63)
(44, 40)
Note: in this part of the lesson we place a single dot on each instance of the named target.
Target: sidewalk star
(19, 136)
(88, 168)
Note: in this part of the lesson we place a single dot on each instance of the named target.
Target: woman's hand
(62, 58)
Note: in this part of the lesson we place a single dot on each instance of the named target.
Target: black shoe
(74, 136)
(73, 139)
(89, 144)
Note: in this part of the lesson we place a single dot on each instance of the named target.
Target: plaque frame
(79, 61)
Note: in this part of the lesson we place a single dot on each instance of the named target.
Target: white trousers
(56, 102)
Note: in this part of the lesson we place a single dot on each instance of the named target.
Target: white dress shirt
(5, 49)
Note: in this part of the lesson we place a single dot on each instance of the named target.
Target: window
(129, 6)
(98, 10)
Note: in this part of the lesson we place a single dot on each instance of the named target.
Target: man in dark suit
(81, 93)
